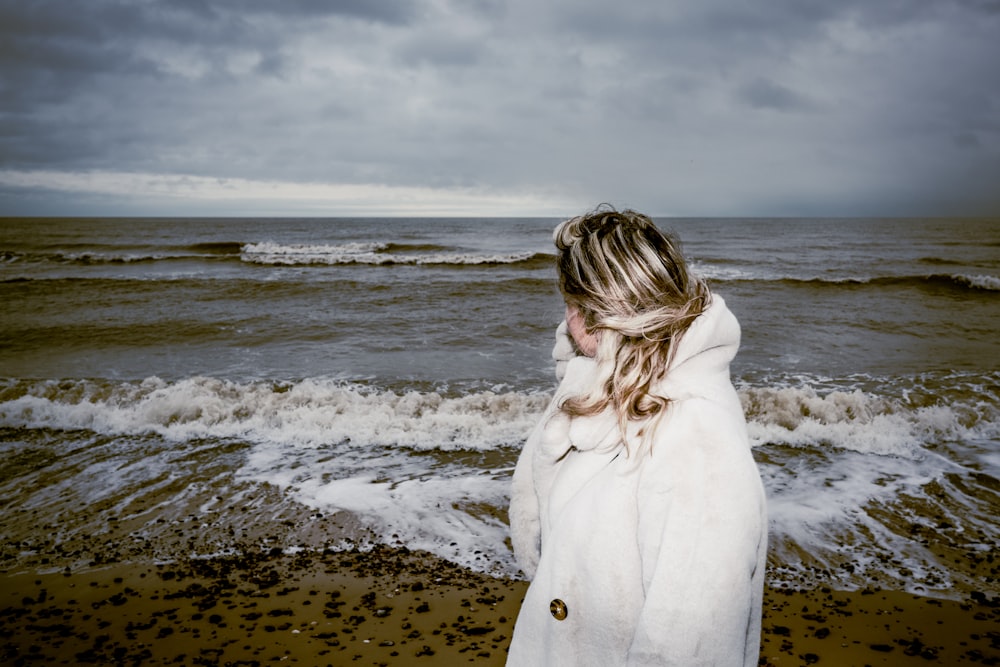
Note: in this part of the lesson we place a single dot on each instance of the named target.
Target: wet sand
(395, 607)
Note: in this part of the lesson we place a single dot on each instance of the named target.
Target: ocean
(173, 388)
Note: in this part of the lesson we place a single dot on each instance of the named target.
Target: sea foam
(849, 471)
(366, 253)
(861, 421)
(311, 412)
(319, 411)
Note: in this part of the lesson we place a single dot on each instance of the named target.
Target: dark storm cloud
(45, 45)
(695, 107)
(764, 94)
(103, 35)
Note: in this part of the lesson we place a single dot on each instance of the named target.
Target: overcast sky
(492, 107)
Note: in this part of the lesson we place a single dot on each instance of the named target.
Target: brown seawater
(172, 388)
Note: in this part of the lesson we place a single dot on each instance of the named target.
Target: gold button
(558, 609)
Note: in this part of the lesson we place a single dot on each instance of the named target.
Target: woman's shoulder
(715, 419)
(700, 438)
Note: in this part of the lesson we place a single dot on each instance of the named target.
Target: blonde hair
(632, 286)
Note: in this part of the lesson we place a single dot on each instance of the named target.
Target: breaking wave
(937, 281)
(852, 471)
(375, 254)
(329, 411)
(309, 412)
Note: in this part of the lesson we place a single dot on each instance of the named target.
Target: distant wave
(375, 254)
(989, 283)
(89, 258)
(414, 247)
(939, 280)
(276, 254)
(114, 257)
(218, 248)
(951, 281)
(117, 255)
(939, 261)
(321, 411)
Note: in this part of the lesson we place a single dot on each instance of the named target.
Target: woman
(637, 510)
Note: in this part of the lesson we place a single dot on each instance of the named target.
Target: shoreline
(392, 606)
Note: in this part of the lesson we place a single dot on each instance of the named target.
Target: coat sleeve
(702, 541)
(525, 521)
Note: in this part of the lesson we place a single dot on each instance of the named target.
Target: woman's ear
(585, 341)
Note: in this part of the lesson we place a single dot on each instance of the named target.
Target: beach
(246, 441)
(392, 606)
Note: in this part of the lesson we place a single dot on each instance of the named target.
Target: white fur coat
(657, 559)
